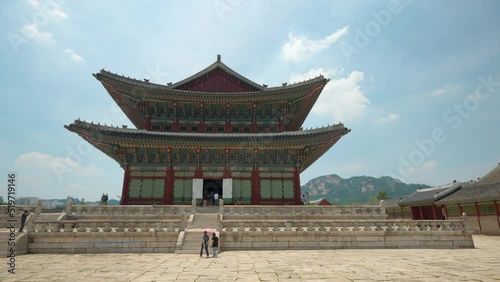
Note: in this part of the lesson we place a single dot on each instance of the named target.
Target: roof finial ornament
(218, 58)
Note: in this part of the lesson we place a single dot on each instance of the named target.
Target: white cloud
(46, 163)
(50, 8)
(341, 99)
(45, 176)
(300, 47)
(33, 32)
(74, 56)
(312, 73)
(447, 90)
(389, 118)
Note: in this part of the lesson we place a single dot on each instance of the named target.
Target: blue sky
(418, 82)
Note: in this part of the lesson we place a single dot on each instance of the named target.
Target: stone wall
(99, 242)
(287, 240)
(343, 234)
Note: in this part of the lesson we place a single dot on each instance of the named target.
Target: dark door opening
(210, 188)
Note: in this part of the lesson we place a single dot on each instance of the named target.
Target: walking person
(24, 216)
(215, 245)
(204, 244)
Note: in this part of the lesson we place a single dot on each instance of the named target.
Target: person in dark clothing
(24, 216)
(204, 244)
(215, 244)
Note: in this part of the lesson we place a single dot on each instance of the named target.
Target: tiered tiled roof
(319, 140)
(484, 190)
(132, 94)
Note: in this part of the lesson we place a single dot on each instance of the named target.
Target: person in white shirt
(216, 198)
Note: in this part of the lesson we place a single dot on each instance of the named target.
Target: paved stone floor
(479, 264)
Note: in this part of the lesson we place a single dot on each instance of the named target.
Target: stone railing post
(221, 206)
(183, 221)
(465, 221)
(382, 207)
(38, 208)
(30, 223)
(69, 206)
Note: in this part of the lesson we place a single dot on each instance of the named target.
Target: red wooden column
(497, 209)
(201, 128)
(296, 186)
(478, 214)
(126, 183)
(147, 123)
(168, 197)
(255, 199)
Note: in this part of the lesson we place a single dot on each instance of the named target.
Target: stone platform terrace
(479, 264)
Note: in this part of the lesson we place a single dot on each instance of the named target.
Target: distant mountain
(357, 189)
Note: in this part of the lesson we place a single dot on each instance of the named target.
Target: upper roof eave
(170, 88)
(264, 136)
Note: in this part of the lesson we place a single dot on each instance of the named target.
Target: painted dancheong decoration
(215, 132)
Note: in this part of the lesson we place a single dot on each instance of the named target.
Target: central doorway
(210, 188)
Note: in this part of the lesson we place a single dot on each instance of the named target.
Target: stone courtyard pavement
(480, 264)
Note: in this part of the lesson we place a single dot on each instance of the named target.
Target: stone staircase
(194, 233)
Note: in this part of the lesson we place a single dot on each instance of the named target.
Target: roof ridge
(171, 87)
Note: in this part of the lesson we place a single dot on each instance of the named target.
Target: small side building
(480, 200)
(422, 202)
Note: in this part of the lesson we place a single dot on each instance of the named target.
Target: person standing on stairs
(204, 244)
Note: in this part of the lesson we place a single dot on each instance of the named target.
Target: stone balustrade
(342, 225)
(127, 210)
(82, 226)
(263, 212)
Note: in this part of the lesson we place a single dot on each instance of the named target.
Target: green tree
(382, 195)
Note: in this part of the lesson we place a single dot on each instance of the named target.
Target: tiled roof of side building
(491, 177)
(474, 194)
(487, 188)
(430, 195)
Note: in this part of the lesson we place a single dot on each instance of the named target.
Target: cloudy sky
(418, 82)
